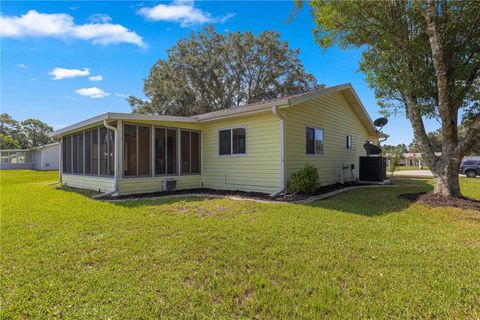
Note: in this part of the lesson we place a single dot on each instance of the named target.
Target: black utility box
(373, 168)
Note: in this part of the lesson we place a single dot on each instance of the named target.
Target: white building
(38, 158)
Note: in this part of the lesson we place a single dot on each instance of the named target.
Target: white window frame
(349, 142)
(231, 142)
(315, 154)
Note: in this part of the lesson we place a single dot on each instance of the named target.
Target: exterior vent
(169, 184)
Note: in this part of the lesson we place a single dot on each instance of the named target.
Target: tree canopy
(26, 134)
(209, 71)
(422, 58)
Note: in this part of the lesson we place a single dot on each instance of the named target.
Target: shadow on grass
(374, 201)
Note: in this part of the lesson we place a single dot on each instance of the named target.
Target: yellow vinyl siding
(104, 184)
(154, 184)
(335, 116)
(257, 170)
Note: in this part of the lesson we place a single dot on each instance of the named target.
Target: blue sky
(120, 41)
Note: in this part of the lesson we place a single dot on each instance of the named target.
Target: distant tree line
(435, 138)
(25, 134)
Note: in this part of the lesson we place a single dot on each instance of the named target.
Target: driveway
(416, 173)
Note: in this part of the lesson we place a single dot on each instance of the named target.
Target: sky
(63, 62)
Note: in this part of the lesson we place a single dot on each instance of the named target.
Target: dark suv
(470, 168)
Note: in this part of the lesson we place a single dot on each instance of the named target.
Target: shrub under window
(304, 181)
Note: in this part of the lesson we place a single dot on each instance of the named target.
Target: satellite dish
(372, 149)
(380, 122)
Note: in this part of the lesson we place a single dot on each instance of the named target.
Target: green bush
(304, 181)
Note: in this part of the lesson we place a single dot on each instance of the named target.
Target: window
(314, 141)
(136, 156)
(349, 142)
(144, 151)
(171, 152)
(232, 141)
(190, 152)
(77, 146)
(67, 154)
(130, 151)
(80, 152)
(4, 157)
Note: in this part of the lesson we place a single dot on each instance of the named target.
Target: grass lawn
(404, 168)
(362, 254)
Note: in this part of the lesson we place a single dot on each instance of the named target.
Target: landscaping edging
(238, 198)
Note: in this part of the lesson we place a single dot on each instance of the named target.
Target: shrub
(304, 181)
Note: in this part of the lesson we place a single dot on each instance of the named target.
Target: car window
(468, 163)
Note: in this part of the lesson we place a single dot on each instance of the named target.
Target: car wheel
(471, 173)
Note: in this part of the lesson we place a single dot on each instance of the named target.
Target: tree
(36, 132)
(399, 149)
(12, 128)
(421, 58)
(209, 71)
(435, 138)
(7, 142)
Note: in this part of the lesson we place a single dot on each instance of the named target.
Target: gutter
(282, 151)
(116, 176)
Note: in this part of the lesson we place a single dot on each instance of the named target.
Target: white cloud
(92, 92)
(100, 18)
(121, 95)
(24, 109)
(182, 12)
(61, 25)
(96, 78)
(21, 66)
(62, 73)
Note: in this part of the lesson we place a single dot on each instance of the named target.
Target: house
(256, 147)
(38, 158)
(411, 159)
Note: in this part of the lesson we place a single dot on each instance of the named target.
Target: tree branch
(471, 138)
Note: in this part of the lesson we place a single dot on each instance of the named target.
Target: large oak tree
(423, 59)
(209, 71)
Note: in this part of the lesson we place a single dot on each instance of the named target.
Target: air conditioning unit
(169, 184)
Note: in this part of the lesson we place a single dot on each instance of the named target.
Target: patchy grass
(404, 168)
(362, 254)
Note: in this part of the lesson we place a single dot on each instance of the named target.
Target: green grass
(362, 254)
(404, 168)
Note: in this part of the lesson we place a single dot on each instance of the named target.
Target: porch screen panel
(94, 151)
(67, 154)
(195, 152)
(144, 151)
(88, 152)
(185, 151)
(160, 151)
(111, 152)
(103, 151)
(75, 153)
(130, 150)
(171, 151)
(80, 153)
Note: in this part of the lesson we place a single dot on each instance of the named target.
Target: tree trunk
(445, 174)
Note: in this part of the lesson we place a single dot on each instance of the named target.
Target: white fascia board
(119, 116)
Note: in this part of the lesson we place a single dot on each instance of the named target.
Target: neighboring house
(38, 158)
(256, 147)
(411, 159)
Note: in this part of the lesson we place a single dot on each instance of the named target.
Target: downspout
(115, 169)
(282, 151)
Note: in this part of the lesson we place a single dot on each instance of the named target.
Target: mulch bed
(238, 193)
(435, 200)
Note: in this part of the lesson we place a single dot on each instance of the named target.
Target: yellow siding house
(256, 147)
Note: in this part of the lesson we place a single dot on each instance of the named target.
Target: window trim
(350, 148)
(315, 154)
(82, 132)
(179, 137)
(136, 124)
(240, 155)
(177, 171)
